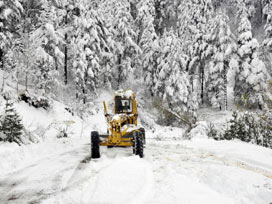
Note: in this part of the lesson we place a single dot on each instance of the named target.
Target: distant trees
(194, 20)
(179, 50)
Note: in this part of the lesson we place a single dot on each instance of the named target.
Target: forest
(184, 54)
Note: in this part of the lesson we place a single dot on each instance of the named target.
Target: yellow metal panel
(121, 144)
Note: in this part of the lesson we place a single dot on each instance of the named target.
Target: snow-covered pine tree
(81, 42)
(193, 27)
(45, 41)
(80, 64)
(172, 83)
(224, 49)
(160, 14)
(245, 8)
(267, 43)
(91, 51)
(107, 58)
(126, 49)
(250, 80)
(266, 49)
(26, 44)
(10, 13)
(148, 41)
(11, 125)
(65, 14)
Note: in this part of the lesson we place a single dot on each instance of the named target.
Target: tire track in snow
(119, 177)
(86, 178)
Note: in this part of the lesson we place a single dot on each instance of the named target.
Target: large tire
(143, 132)
(95, 148)
(139, 146)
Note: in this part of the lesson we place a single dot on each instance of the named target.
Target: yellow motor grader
(123, 130)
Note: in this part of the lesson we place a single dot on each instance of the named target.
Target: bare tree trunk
(56, 63)
(66, 52)
(225, 86)
(27, 68)
(3, 83)
(65, 61)
(202, 83)
(17, 79)
(261, 5)
(26, 80)
(119, 69)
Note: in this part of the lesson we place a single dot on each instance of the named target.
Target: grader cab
(123, 130)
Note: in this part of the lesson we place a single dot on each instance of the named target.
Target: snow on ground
(177, 171)
(173, 170)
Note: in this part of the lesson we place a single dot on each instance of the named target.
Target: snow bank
(200, 130)
(47, 125)
(187, 169)
(237, 150)
(165, 133)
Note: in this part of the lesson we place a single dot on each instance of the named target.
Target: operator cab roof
(125, 94)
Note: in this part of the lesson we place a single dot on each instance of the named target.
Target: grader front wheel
(95, 148)
(138, 147)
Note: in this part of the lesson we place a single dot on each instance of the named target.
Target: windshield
(123, 105)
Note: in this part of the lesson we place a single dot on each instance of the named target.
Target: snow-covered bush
(199, 130)
(62, 133)
(251, 127)
(35, 101)
(213, 132)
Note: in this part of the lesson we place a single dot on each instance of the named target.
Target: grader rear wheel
(95, 148)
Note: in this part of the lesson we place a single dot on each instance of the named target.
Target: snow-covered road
(42, 179)
(171, 172)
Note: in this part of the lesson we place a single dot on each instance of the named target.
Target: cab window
(123, 105)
